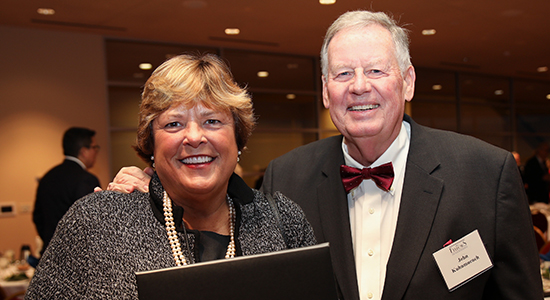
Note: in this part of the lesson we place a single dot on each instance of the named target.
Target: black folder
(295, 274)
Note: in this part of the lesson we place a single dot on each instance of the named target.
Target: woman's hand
(130, 178)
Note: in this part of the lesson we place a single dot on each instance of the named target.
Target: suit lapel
(419, 202)
(333, 211)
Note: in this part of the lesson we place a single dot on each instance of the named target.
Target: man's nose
(360, 84)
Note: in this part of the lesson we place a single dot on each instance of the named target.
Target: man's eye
(376, 72)
(344, 75)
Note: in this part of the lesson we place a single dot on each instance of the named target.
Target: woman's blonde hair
(192, 79)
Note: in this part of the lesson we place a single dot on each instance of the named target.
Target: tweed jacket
(108, 236)
(453, 184)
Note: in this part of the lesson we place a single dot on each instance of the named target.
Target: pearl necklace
(173, 236)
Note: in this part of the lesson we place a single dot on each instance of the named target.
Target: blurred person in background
(537, 178)
(66, 182)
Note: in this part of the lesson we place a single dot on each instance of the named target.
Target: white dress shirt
(373, 216)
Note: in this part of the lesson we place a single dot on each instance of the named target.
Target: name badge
(463, 260)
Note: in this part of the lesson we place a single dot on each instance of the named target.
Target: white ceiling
(504, 37)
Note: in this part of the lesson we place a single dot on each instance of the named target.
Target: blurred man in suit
(537, 178)
(65, 183)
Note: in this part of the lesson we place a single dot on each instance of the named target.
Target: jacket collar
(237, 190)
(419, 203)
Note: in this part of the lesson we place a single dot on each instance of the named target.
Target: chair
(540, 221)
(545, 249)
(2, 294)
(539, 237)
(17, 296)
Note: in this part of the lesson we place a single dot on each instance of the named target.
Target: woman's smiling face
(195, 150)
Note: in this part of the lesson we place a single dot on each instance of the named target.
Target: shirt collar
(76, 160)
(389, 155)
(396, 152)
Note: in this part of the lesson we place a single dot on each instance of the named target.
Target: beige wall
(49, 81)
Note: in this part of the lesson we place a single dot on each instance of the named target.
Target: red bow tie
(381, 175)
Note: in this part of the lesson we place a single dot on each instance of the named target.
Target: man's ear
(81, 151)
(82, 154)
(326, 99)
(410, 79)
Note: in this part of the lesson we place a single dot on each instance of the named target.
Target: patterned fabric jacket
(108, 236)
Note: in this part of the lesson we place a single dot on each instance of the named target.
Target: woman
(194, 122)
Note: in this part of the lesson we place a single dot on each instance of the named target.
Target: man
(65, 183)
(517, 157)
(445, 186)
(537, 178)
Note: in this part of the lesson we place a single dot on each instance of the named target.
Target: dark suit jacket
(537, 188)
(453, 185)
(57, 191)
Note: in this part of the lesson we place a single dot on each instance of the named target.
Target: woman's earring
(153, 160)
(239, 156)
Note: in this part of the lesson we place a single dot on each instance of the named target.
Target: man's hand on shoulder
(130, 178)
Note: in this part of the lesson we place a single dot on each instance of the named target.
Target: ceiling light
(46, 11)
(292, 66)
(437, 87)
(263, 74)
(290, 96)
(499, 92)
(232, 31)
(428, 32)
(542, 69)
(548, 96)
(327, 2)
(145, 66)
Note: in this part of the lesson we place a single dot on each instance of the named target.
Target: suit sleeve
(267, 183)
(515, 273)
(37, 216)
